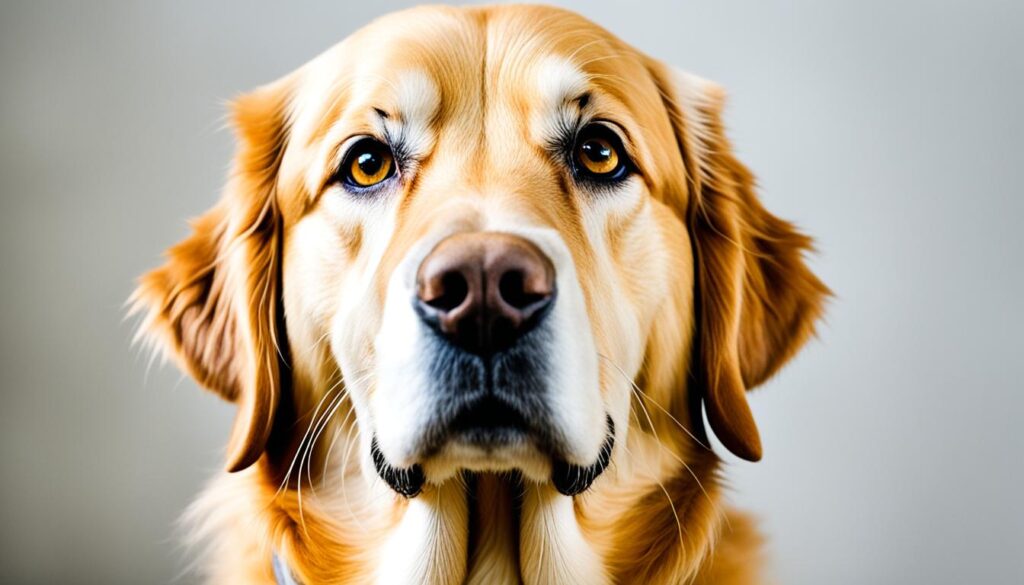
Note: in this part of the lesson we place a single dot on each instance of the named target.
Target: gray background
(889, 130)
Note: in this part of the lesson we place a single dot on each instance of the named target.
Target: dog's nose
(484, 290)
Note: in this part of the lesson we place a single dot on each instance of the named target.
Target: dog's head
(497, 229)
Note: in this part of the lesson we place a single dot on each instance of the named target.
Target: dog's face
(491, 226)
(480, 243)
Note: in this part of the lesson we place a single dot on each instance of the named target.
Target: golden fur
(694, 282)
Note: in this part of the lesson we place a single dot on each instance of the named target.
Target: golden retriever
(474, 277)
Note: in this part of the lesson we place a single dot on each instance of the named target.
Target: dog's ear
(756, 300)
(214, 305)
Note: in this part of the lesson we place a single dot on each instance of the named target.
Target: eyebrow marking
(564, 91)
(383, 115)
(583, 100)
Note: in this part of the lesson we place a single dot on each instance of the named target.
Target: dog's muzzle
(484, 298)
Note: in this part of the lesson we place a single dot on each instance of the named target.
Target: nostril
(512, 288)
(453, 292)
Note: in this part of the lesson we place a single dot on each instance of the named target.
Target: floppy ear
(214, 305)
(757, 302)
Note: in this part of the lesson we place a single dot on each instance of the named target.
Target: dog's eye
(598, 154)
(368, 163)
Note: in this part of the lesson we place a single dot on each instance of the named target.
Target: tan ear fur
(757, 302)
(214, 305)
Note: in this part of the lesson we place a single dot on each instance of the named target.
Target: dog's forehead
(449, 66)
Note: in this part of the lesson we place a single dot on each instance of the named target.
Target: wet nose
(483, 291)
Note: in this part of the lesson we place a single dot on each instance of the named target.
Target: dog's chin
(500, 450)
(516, 451)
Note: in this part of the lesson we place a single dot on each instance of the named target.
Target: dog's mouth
(490, 424)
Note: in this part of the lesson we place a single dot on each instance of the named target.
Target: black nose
(483, 291)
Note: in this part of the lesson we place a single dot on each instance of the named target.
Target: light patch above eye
(560, 81)
(560, 85)
(417, 102)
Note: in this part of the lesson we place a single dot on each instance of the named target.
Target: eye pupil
(598, 151)
(369, 163)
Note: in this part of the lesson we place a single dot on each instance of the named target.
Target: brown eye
(368, 163)
(598, 154)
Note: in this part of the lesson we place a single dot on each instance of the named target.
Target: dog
(474, 278)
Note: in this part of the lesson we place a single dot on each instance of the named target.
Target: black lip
(407, 482)
(570, 479)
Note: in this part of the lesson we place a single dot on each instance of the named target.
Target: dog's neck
(493, 551)
(655, 518)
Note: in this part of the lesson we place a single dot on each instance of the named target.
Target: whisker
(643, 394)
(334, 441)
(317, 343)
(316, 436)
(305, 455)
(655, 431)
(671, 505)
(344, 477)
(337, 400)
(316, 427)
(305, 436)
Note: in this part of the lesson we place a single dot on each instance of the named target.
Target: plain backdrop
(891, 131)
